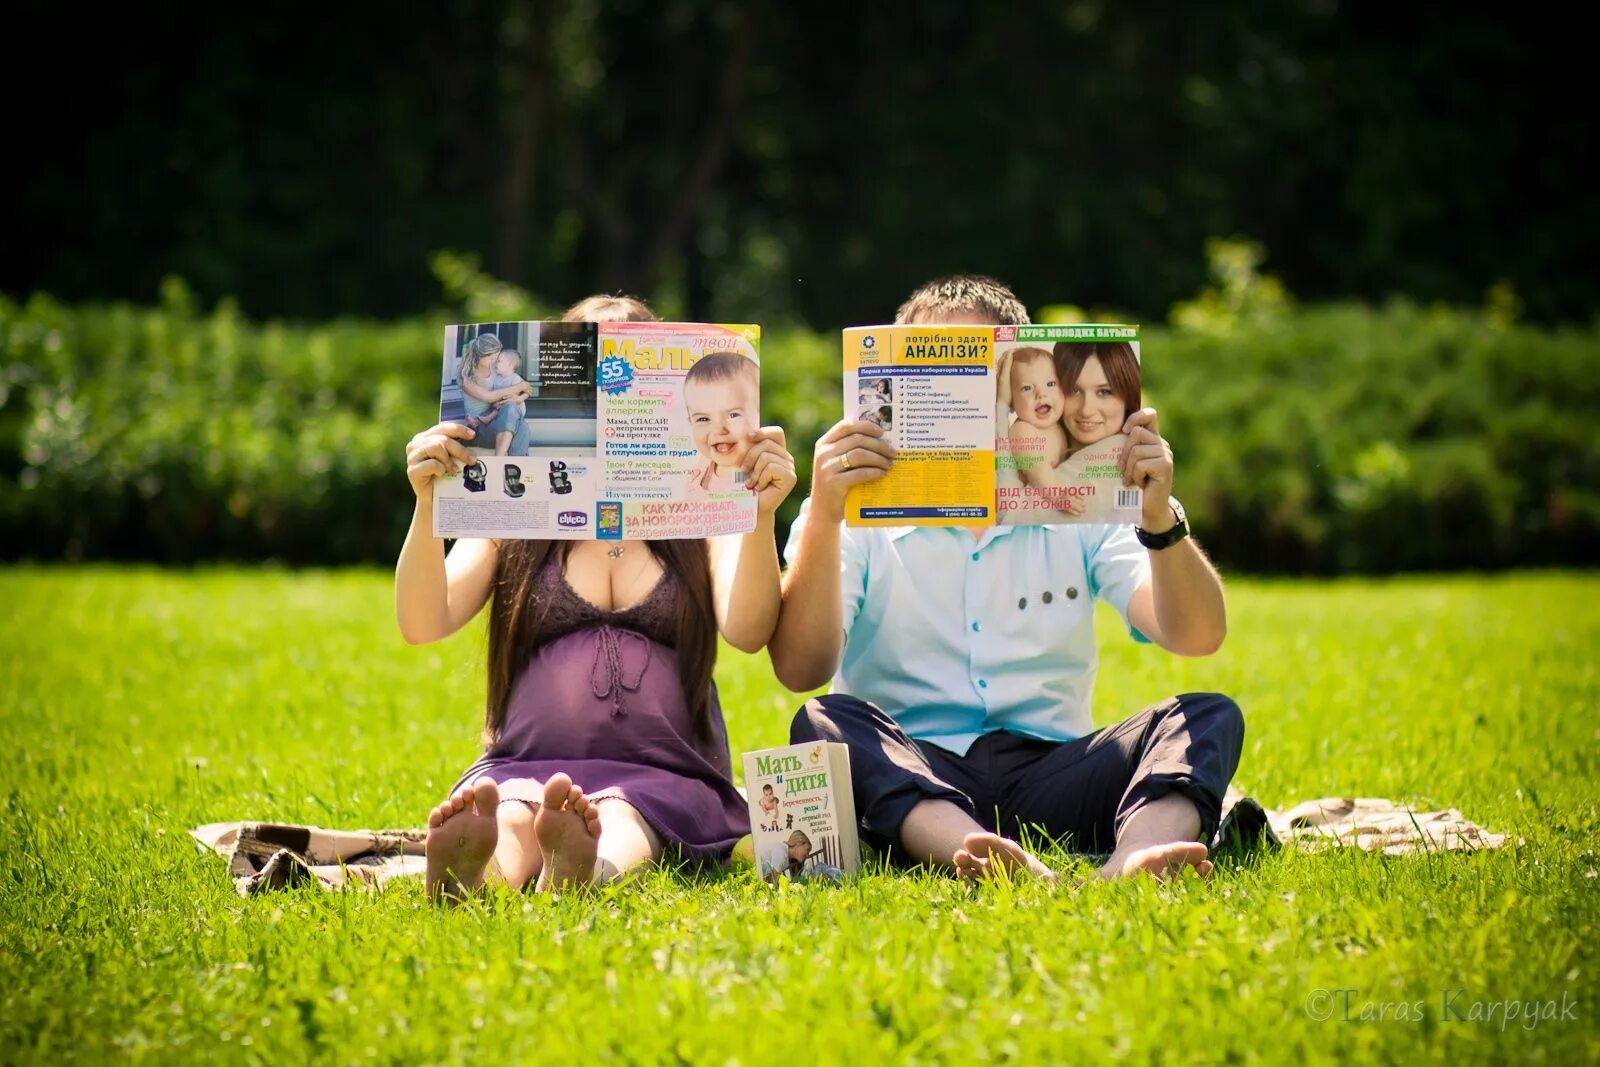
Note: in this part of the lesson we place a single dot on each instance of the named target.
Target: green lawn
(139, 703)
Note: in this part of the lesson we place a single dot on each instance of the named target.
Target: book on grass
(995, 425)
(802, 813)
(607, 430)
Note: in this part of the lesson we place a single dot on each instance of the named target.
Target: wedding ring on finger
(844, 461)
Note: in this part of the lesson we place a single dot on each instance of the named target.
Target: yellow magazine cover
(930, 389)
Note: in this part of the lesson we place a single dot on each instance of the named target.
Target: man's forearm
(805, 647)
(1188, 599)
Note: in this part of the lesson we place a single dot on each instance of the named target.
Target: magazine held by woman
(607, 430)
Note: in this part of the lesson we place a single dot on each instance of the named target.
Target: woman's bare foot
(1161, 861)
(568, 828)
(462, 833)
(986, 855)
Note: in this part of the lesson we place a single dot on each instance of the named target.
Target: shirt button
(976, 627)
(982, 684)
(974, 557)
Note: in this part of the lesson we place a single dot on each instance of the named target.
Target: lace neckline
(587, 604)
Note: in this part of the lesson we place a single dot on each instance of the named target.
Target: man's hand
(1147, 463)
(850, 453)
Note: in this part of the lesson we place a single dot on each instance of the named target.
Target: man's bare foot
(568, 828)
(462, 833)
(986, 855)
(1162, 861)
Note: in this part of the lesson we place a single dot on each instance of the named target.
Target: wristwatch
(1167, 538)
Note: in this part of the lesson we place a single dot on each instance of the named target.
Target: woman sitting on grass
(605, 742)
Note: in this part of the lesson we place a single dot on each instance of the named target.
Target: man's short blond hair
(961, 293)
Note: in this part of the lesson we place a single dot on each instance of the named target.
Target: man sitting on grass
(963, 660)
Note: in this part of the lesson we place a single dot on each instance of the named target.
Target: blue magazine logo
(615, 374)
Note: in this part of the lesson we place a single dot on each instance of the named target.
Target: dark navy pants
(1082, 791)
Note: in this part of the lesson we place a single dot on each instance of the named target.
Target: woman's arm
(806, 646)
(744, 567)
(744, 579)
(470, 386)
(434, 596)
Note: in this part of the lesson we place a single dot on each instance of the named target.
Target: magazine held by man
(995, 425)
(600, 430)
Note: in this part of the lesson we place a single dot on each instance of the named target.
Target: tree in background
(761, 160)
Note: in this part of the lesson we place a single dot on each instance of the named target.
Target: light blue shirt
(955, 638)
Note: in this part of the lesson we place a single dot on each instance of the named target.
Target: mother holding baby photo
(494, 395)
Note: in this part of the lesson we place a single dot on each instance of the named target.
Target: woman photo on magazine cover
(1102, 390)
(605, 744)
(807, 861)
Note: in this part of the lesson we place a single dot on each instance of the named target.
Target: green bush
(1328, 439)
(176, 435)
(1350, 439)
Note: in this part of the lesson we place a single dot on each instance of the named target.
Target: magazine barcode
(1129, 498)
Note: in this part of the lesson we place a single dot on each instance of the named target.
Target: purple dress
(600, 700)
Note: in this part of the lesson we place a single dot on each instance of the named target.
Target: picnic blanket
(265, 856)
(1371, 824)
(262, 856)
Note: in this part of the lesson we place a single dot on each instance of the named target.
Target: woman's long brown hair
(516, 611)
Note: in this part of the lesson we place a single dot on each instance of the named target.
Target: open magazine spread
(802, 813)
(995, 425)
(600, 430)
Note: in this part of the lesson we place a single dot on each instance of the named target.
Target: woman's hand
(769, 468)
(437, 451)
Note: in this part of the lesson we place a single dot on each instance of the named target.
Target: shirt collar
(990, 535)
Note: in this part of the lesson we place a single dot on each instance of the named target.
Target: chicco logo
(572, 519)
